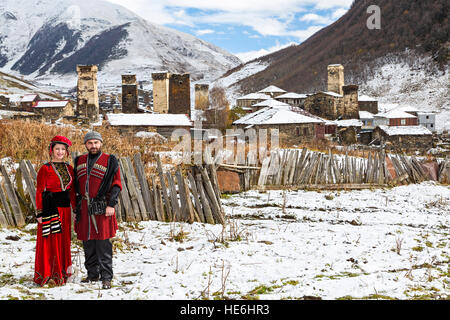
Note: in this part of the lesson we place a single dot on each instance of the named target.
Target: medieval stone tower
(350, 103)
(87, 92)
(129, 94)
(201, 96)
(336, 78)
(171, 93)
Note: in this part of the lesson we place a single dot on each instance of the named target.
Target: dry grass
(20, 139)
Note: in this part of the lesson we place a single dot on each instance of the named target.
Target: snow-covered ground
(384, 243)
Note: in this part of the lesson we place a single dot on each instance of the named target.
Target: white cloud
(315, 18)
(204, 31)
(265, 17)
(250, 55)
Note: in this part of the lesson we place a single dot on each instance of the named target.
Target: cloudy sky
(246, 28)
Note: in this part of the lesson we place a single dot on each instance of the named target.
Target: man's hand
(39, 220)
(109, 211)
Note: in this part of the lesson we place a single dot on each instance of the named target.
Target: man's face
(93, 146)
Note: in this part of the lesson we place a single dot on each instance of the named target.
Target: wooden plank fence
(304, 168)
(192, 196)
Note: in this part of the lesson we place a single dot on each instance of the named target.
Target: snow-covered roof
(28, 98)
(149, 119)
(365, 98)
(395, 114)
(272, 103)
(268, 115)
(292, 95)
(272, 89)
(331, 93)
(365, 115)
(254, 96)
(405, 130)
(349, 123)
(52, 104)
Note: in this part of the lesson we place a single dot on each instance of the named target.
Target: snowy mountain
(45, 40)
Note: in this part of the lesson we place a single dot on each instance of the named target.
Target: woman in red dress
(55, 193)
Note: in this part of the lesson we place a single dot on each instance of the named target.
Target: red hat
(59, 140)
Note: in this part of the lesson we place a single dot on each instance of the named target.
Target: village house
(273, 91)
(293, 125)
(164, 124)
(272, 103)
(28, 101)
(54, 109)
(292, 98)
(366, 103)
(4, 102)
(414, 137)
(366, 118)
(246, 102)
(395, 118)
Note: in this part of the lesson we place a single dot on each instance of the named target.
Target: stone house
(296, 126)
(404, 137)
(326, 104)
(246, 102)
(164, 124)
(54, 109)
(292, 98)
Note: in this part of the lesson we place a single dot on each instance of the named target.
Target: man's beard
(94, 151)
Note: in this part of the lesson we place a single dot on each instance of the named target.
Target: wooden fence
(191, 197)
(192, 194)
(295, 167)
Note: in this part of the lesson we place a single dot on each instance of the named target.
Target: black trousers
(98, 259)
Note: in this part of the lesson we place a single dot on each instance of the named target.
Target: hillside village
(340, 115)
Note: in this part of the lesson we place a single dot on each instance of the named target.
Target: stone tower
(201, 96)
(171, 93)
(129, 94)
(336, 78)
(87, 92)
(350, 103)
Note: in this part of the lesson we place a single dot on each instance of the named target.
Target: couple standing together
(91, 187)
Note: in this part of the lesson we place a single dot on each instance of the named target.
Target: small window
(431, 125)
(428, 117)
(402, 122)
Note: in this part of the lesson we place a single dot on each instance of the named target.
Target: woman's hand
(109, 211)
(39, 220)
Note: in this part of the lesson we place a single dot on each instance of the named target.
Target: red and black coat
(106, 225)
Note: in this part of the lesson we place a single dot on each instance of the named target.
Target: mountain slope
(42, 38)
(413, 38)
(416, 24)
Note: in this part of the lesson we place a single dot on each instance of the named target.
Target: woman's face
(59, 152)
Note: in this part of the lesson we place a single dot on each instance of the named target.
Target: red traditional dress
(105, 226)
(53, 257)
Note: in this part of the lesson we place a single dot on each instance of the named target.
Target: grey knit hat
(92, 135)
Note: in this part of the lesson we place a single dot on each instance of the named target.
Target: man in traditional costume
(98, 186)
